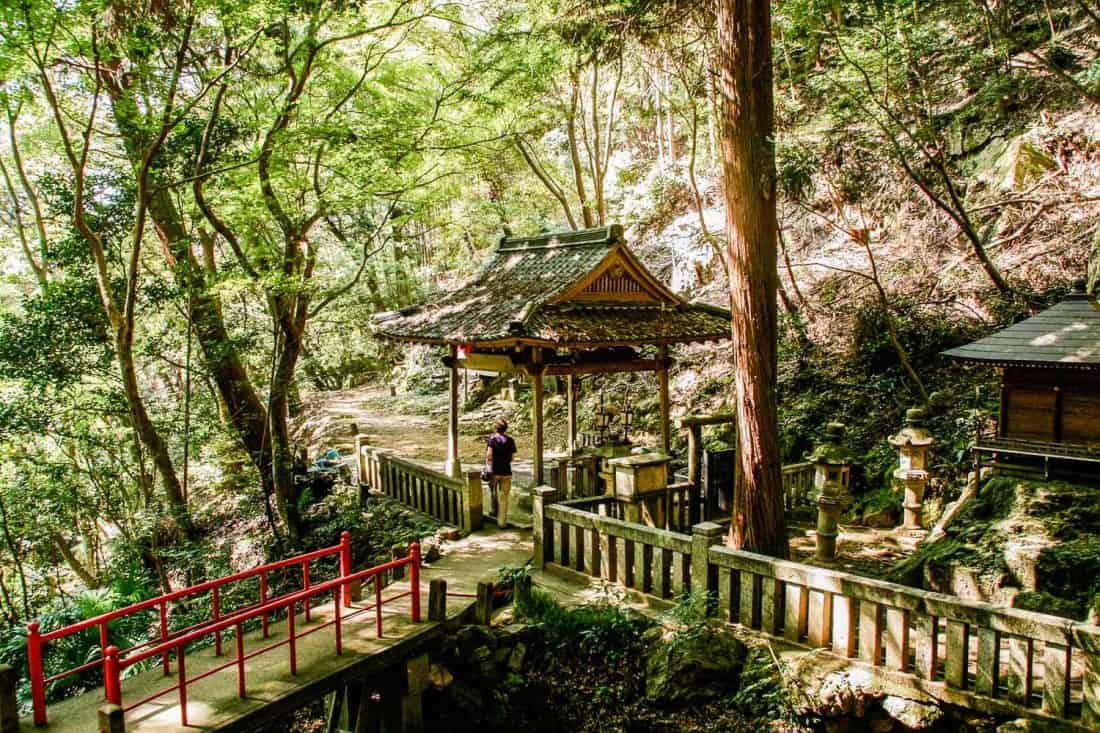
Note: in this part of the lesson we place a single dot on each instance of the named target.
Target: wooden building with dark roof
(563, 304)
(1050, 387)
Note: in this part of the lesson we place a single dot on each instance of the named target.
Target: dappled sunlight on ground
(861, 550)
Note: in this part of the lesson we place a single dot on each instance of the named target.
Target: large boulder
(693, 664)
(832, 688)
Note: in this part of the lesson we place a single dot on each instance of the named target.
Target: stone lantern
(913, 443)
(832, 477)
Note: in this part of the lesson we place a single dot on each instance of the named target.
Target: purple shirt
(503, 448)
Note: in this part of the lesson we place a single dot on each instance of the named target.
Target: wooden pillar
(412, 706)
(355, 697)
(541, 528)
(437, 600)
(483, 607)
(453, 467)
(695, 474)
(536, 371)
(662, 383)
(472, 502)
(571, 410)
(361, 459)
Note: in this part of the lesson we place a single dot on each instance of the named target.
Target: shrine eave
(571, 290)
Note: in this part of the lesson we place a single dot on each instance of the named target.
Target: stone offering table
(640, 481)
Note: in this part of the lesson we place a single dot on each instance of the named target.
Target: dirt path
(414, 426)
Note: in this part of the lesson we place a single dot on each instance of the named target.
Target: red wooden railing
(114, 660)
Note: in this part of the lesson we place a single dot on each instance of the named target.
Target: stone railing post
(703, 535)
(543, 496)
(1088, 641)
(361, 459)
(111, 719)
(472, 502)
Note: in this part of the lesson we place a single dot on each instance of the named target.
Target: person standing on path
(499, 449)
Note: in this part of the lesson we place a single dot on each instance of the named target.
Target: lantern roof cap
(832, 450)
(914, 433)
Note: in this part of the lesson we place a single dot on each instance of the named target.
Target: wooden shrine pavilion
(1050, 388)
(565, 304)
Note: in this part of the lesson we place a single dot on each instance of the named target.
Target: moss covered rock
(691, 665)
(1034, 544)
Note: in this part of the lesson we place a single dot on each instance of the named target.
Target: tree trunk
(282, 450)
(575, 153)
(748, 173)
(82, 572)
(246, 411)
(16, 557)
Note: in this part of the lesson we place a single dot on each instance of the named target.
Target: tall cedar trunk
(748, 174)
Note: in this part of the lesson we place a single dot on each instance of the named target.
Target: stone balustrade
(649, 560)
(798, 484)
(1000, 661)
(456, 501)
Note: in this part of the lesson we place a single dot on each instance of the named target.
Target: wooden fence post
(9, 706)
(543, 495)
(472, 502)
(695, 474)
(703, 535)
(111, 719)
(417, 680)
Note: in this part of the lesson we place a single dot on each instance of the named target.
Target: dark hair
(500, 425)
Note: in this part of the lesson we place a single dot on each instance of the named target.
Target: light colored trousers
(501, 486)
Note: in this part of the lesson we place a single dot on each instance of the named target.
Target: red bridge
(333, 634)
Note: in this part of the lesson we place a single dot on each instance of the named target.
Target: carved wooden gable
(616, 279)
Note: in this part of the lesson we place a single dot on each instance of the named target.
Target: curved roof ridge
(518, 293)
(597, 235)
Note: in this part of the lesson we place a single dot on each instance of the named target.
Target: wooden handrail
(37, 640)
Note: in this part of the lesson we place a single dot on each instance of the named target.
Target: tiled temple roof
(571, 289)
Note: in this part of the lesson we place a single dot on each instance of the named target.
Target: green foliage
(766, 692)
(693, 608)
(516, 577)
(602, 630)
(59, 337)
